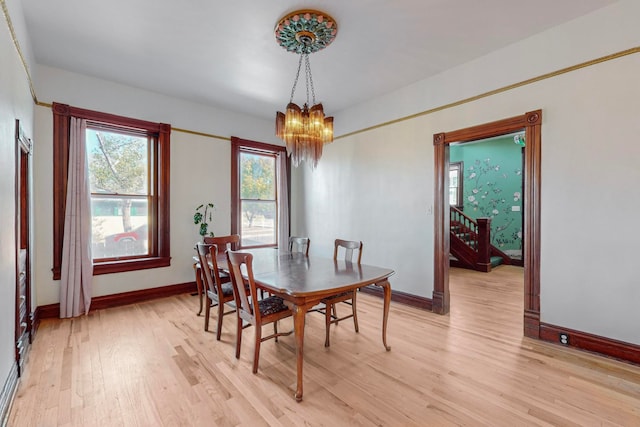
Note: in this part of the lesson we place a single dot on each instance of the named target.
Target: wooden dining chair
(219, 290)
(299, 244)
(330, 311)
(249, 308)
(223, 243)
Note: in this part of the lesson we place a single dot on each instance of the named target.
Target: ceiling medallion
(305, 31)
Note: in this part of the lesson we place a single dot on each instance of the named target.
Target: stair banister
(477, 239)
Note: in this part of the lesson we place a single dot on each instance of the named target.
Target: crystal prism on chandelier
(305, 130)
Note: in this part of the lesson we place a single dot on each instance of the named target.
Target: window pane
(258, 223)
(119, 227)
(257, 178)
(455, 184)
(117, 162)
(453, 196)
(453, 178)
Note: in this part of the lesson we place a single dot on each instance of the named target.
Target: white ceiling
(224, 54)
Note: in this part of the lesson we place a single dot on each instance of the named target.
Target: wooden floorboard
(152, 364)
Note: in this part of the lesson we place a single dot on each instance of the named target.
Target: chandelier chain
(295, 82)
(309, 80)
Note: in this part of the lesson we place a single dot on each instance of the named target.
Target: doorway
(485, 181)
(23, 325)
(531, 124)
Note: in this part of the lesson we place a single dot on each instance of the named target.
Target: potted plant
(203, 217)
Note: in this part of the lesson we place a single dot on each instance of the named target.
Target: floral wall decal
(492, 180)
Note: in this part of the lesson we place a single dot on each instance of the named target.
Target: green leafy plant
(203, 217)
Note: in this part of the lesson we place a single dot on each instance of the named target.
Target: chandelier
(305, 130)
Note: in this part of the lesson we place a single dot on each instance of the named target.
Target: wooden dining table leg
(299, 315)
(386, 287)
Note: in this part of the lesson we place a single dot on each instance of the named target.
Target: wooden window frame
(239, 145)
(159, 226)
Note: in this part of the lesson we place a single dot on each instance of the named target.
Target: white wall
(77, 90)
(15, 103)
(590, 194)
(377, 186)
(200, 171)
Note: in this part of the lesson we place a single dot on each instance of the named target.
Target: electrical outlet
(564, 339)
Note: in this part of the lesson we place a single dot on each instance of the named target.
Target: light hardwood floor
(152, 364)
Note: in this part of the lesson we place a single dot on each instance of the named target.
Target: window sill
(122, 266)
(130, 265)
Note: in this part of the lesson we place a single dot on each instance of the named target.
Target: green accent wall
(492, 188)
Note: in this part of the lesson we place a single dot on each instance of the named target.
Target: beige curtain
(77, 266)
(283, 202)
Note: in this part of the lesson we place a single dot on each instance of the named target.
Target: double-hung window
(455, 184)
(128, 172)
(260, 193)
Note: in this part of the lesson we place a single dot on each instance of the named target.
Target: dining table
(303, 281)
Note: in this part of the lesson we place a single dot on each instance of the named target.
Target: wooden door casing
(531, 123)
(23, 312)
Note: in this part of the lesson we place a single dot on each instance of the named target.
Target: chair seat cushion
(227, 290)
(271, 305)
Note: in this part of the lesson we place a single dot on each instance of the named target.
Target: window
(258, 225)
(128, 163)
(259, 192)
(455, 184)
(121, 191)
